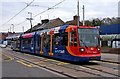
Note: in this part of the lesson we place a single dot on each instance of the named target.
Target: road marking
(62, 63)
(41, 61)
(105, 63)
(9, 48)
(32, 59)
(8, 58)
(84, 68)
(53, 60)
(24, 63)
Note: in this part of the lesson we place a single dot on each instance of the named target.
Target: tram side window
(46, 41)
(57, 39)
(64, 39)
(24, 41)
(48, 36)
(28, 41)
(73, 39)
(39, 41)
(17, 43)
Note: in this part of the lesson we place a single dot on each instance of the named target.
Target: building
(74, 21)
(110, 35)
(10, 37)
(46, 24)
(3, 37)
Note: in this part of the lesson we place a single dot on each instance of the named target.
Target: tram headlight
(32, 48)
(82, 49)
(98, 49)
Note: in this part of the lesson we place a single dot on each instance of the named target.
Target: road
(110, 57)
(16, 64)
(17, 68)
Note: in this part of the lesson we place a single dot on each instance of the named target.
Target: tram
(66, 42)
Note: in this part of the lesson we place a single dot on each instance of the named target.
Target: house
(74, 21)
(46, 24)
(106, 21)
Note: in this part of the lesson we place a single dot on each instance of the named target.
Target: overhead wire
(43, 11)
(49, 8)
(17, 13)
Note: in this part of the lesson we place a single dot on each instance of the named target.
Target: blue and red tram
(66, 42)
(28, 42)
(16, 43)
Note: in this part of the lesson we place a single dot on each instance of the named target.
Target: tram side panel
(27, 43)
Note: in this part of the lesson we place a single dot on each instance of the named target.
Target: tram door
(45, 44)
(51, 44)
(41, 44)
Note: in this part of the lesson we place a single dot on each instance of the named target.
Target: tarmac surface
(110, 57)
(12, 67)
(17, 68)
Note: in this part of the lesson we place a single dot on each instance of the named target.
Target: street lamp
(30, 19)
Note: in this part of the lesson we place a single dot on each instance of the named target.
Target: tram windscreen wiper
(84, 43)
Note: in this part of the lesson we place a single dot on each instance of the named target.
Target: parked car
(3, 45)
(116, 44)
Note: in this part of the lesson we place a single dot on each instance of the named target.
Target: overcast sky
(65, 11)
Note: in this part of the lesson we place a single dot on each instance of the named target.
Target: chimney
(38, 24)
(75, 17)
(45, 21)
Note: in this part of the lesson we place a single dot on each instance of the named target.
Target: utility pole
(10, 29)
(13, 27)
(83, 15)
(40, 20)
(30, 19)
(8, 32)
(23, 29)
(78, 13)
(48, 16)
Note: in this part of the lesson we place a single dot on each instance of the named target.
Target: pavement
(110, 50)
(110, 57)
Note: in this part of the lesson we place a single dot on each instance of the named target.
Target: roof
(73, 22)
(50, 24)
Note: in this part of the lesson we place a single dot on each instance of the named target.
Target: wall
(110, 29)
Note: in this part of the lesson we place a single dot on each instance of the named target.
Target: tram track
(51, 69)
(97, 69)
(114, 66)
(42, 66)
(90, 68)
(73, 67)
(110, 61)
